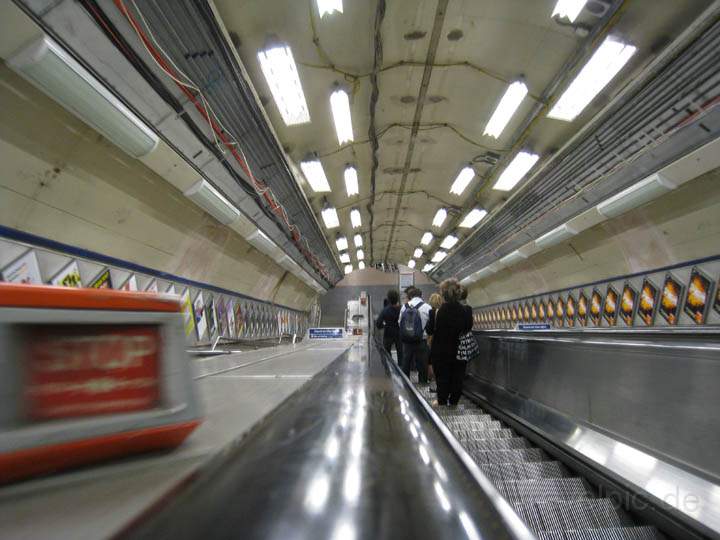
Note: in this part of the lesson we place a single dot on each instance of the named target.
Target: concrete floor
(237, 390)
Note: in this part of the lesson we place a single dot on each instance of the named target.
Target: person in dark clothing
(451, 320)
(415, 349)
(388, 320)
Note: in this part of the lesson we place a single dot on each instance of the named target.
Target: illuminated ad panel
(670, 299)
(611, 306)
(550, 309)
(582, 311)
(526, 312)
(698, 296)
(628, 303)
(595, 307)
(534, 311)
(647, 306)
(541, 310)
(570, 310)
(559, 312)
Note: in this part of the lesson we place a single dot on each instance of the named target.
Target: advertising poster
(534, 311)
(550, 309)
(526, 312)
(210, 315)
(559, 312)
(513, 313)
(698, 296)
(24, 269)
(171, 289)
(187, 311)
(68, 276)
(152, 287)
(239, 319)
(221, 319)
(570, 310)
(627, 304)
(716, 304)
(611, 306)
(102, 281)
(230, 308)
(541, 310)
(648, 302)
(670, 299)
(595, 307)
(130, 284)
(582, 309)
(199, 311)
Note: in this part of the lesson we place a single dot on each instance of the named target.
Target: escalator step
(463, 436)
(502, 472)
(545, 489)
(444, 412)
(522, 455)
(495, 444)
(613, 533)
(469, 418)
(578, 515)
(476, 428)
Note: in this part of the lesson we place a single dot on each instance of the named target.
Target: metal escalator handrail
(511, 520)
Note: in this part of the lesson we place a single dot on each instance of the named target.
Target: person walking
(413, 319)
(435, 302)
(451, 321)
(388, 321)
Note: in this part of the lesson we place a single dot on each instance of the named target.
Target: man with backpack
(413, 319)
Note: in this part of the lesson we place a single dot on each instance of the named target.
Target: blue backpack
(411, 328)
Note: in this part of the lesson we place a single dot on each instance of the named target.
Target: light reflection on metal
(317, 493)
(469, 526)
(442, 475)
(424, 454)
(442, 496)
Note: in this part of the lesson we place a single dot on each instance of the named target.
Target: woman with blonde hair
(435, 302)
(452, 320)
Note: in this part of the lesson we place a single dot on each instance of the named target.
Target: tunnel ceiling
(441, 69)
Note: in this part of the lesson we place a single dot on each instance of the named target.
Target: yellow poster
(187, 310)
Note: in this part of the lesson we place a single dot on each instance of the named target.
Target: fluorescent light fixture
(355, 218)
(315, 175)
(359, 254)
(411, 263)
(509, 103)
(512, 258)
(47, 66)
(439, 256)
(348, 268)
(278, 66)
(426, 238)
(357, 240)
(361, 265)
(341, 243)
(557, 235)
(568, 8)
(428, 267)
(330, 217)
(340, 106)
(418, 253)
(472, 218)
(263, 242)
(604, 64)
(464, 177)
(351, 181)
(212, 201)
(328, 7)
(646, 190)
(449, 241)
(344, 257)
(515, 171)
(439, 218)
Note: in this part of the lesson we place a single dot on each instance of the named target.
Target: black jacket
(451, 320)
(388, 319)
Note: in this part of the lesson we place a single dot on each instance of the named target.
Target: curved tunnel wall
(64, 182)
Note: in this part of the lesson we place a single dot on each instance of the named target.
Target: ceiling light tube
(348, 268)
(462, 181)
(512, 258)
(360, 255)
(428, 267)
(418, 253)
(505, 110)
(439, 256)
(439, 218)
(557, 235)
(568, 8)
(213, 202)
(361, 265)
(516, 171)
(344, 257)
(355, 218)
(315, 175)
(605, 63)
(330, 217)
(411, 263)
(449, 241)
(357, 240)
(341, 243)
(47, 66)
(278, 67)
(472, 218)
(328, 7)
(340, 107)
(351, 181)
(644, 191)
(426, 238)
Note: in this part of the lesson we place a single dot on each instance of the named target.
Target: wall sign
(24, 269)
(325, 333)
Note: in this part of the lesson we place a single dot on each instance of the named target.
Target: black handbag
(468, 349)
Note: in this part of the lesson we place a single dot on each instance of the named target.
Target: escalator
(553, 503)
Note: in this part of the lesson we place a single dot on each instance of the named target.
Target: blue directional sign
(325, 333)
(533, 326)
